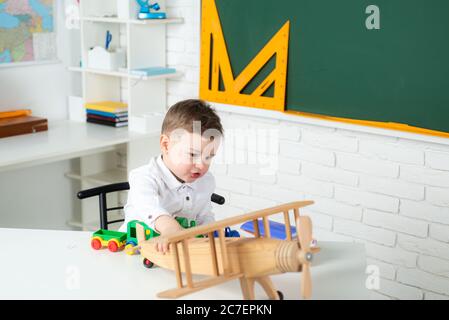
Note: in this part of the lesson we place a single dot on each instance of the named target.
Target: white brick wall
(425, 211)
(424, 280)
(399, 290)
(365, 199)
(434, 265)
(393, 255)
(439, 232)
(390, 151)
(362, 231)
(386, 270)
(390, 193)
(304, 152)
(392, 187)
(437, 160)
(423, 246)
(330, 141)
(438, 196)
(360, 164)
(323, 173)
(395, 222)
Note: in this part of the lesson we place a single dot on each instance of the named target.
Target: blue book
(152, 71)
(277, 230)
(107, 114)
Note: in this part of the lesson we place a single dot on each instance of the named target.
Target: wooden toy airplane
(248, 259)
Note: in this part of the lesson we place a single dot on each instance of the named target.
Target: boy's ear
(164, 141)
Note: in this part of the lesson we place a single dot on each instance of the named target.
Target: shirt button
(187, 198)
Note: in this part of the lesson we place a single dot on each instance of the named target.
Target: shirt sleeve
(144, 202)
(206, 214)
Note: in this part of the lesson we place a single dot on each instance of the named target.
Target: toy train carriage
(116, 240)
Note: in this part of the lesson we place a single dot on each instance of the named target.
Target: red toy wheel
(147, 263)
(112, 246)
(96, 244)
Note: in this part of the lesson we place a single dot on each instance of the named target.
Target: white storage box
(77, 112)
(127, 9)
(100, 58)
(146, 123)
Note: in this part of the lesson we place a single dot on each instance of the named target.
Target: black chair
(102, 191)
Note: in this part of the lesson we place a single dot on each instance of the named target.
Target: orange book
(15, 113)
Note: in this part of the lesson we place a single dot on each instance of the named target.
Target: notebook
(108, 123)
(107, 106)
(107, 114)
(152, 71)
(110, 119)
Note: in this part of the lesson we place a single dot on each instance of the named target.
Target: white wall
(390, 193)
(38, 197)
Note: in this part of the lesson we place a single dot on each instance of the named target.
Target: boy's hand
(165, 225)
(161, 244)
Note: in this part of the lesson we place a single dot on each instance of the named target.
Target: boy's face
(188, 155)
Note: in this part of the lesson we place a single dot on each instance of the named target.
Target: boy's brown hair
(184, 113)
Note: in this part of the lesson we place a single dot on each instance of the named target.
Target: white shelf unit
(144, 42)
(133, 21)
(126, 74)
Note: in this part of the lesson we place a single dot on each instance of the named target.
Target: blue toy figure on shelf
(145, 12)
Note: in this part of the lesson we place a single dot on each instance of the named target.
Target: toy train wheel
(112, 246)
(96, 244)
(147, 263)
(281, 295)
(131, 249)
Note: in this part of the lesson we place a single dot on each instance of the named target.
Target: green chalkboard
(338, 67)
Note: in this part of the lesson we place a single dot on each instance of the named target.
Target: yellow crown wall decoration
(215, 61)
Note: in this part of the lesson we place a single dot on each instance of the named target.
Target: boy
(177, 182)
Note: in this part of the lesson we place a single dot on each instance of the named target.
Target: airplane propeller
(305, 254)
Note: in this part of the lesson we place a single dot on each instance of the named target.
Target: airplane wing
(251, 216)
(180, 239)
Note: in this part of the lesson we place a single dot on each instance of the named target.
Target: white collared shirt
(155, 191)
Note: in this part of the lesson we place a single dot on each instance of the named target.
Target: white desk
(42, 264)
(63, 140)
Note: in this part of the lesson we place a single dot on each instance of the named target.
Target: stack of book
(109, 113)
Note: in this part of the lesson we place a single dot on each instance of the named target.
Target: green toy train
(116, 240)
